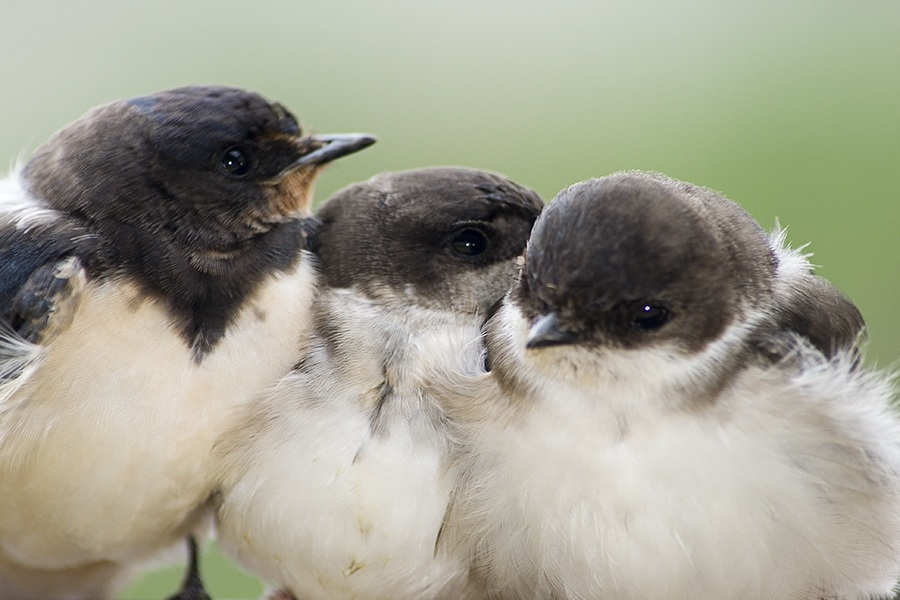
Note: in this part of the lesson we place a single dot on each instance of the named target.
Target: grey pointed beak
(335, 146)
(547, 331)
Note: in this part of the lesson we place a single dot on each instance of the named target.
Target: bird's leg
(192, 588)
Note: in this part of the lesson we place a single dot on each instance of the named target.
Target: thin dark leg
(192, 588)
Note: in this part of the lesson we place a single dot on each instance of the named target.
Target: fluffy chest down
(778, 492)
(331, 511)
(337, 485)
(104, 447)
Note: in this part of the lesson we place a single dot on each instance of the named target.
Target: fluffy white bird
(334, 484)
(153, 274)
(674, 410)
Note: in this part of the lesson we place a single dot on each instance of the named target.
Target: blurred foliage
(789, 108)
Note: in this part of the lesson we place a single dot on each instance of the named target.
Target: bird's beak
(291, 192)
(547, 331)
(334, 146)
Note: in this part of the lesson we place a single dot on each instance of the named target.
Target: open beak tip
(335, 146)
(347, 142)
(546, 331)
(531, 344)
(357, 141)
(544, 342)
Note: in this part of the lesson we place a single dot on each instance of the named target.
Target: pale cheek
(292, 197)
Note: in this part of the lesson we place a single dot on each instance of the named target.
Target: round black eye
(469, 242)
(648, 317)
(235, 162)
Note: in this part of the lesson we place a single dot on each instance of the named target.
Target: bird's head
(208, 167)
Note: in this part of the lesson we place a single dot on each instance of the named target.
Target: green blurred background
(790, 108)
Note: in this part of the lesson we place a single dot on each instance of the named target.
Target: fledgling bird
(333, 484)
(674, 410)
(153, 274)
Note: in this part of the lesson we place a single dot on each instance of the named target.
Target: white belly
(771, 493)
(104, 450)
(319, 516)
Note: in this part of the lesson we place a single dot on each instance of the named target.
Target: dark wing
(815, 311)
(42, 270)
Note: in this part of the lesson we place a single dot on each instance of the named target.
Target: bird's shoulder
(45, 260)
(806, 309)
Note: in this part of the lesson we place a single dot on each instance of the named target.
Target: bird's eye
(469, 242)
(235, 162)
(649, 317)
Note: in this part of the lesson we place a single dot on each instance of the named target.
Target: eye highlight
(649, 317)
(235, 162)
(468, 242)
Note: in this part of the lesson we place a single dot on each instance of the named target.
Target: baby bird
(674, 410)
(153, 273)
(334, 483)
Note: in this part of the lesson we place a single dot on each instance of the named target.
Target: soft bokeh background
(790, 108)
